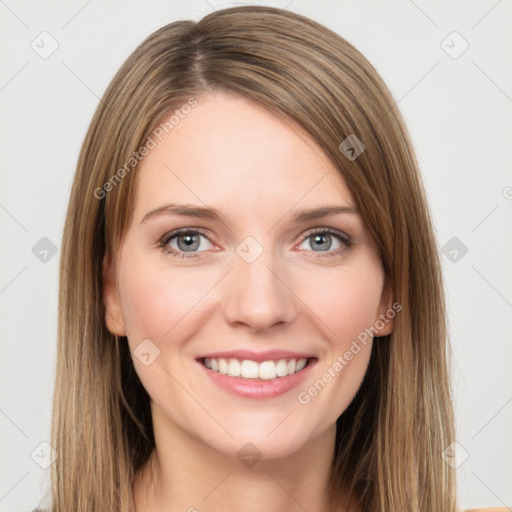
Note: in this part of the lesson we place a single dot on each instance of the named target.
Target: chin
(262, 442)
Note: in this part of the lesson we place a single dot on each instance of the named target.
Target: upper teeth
(252, 370)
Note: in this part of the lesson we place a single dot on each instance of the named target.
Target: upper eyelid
(173, 234)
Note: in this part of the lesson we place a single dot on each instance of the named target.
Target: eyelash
(345, 240)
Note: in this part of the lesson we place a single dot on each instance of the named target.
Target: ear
(385, 318)
(113, 312)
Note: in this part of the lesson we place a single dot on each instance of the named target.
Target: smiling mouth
(253, 370)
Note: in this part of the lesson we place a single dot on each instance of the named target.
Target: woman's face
(251, 288)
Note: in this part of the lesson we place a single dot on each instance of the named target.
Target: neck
(184, 474)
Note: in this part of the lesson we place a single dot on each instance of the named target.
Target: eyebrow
(200, 212)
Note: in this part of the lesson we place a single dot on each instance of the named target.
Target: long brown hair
(389, 441)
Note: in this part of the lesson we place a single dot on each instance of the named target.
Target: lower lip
(258, 389)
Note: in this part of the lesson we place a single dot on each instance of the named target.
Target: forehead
(233, 154)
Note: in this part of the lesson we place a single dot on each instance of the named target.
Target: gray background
(458, 109)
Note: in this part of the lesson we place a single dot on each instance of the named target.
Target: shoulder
(491, 509)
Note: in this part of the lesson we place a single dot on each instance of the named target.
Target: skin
(231, 154)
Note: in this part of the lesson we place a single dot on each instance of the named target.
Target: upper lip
(268, 355)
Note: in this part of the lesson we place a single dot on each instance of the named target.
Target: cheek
(160, 304)
(346, 306)
(346, 302)
(155, 298)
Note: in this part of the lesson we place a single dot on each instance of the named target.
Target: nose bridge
(257, 294)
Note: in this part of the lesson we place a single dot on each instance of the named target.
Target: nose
(258, 295)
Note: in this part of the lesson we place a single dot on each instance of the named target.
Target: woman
(251, 312)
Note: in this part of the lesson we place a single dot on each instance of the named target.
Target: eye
(323, 240)
(183, 241)
(187, 243)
